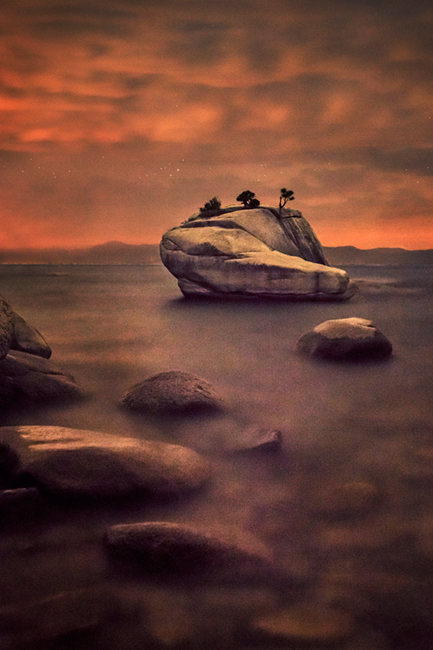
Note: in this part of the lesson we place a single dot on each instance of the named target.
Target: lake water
(111, 326)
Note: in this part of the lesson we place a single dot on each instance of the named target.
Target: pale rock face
(251, 253)
(345, 338)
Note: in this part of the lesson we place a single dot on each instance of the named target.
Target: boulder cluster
(237, 253)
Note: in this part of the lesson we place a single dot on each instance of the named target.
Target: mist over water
(113, 326)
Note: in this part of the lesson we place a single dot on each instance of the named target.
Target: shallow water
(111, 327)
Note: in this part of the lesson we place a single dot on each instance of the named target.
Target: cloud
(333, 97)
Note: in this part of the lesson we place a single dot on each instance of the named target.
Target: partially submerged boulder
(27, 338)
(26, 375)
(78, 463)
(303, 624)
(171, 548)
(345, 338)
(172, 392)
(17, 334)
(251, 253)
(30, 379)
(255, 440)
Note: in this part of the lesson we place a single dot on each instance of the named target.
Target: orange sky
(121, 118)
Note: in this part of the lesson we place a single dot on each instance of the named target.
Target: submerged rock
(79, 463)
(53, 620)
(251, 253)
(306, 624)
(171, 548)
(20, 505)
(30, 379)
(173, 391)
(255, 439)
(352, 499)
(345, 338)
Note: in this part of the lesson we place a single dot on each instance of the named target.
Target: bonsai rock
(249, 253)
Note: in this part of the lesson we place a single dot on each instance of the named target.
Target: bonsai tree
(213, 204)
(285, 195)
(248, 199)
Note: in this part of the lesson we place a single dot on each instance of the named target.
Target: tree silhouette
(285, 195)
(248, 199)
(213, 204)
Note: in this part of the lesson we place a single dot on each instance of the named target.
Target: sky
(120, 118)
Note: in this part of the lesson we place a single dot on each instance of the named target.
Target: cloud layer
(118, 119)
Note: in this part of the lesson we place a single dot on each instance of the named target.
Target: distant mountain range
(116, 252)
(343, 255)
(113, 252)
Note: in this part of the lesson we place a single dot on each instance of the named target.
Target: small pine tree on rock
(248, 199)
(213, 204)
(285, 195)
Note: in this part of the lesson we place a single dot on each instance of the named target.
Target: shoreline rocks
(26, 376)
(252, 253)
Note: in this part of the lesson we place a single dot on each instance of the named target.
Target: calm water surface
(112, 326)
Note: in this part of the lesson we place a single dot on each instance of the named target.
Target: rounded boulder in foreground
(78, 463)
(173, 392)
(345, 338)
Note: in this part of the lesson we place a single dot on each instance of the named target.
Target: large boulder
(189, 551)
(345, 338)
(29, 379)
(236, 252)
(172, 392)
(78, 463)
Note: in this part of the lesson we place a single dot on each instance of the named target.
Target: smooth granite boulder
(345, 338)
(172, 392)
(171, 548)
(28, 379)
(249, 253)
(78, 463)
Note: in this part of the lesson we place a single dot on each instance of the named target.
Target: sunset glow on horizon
(120, 119)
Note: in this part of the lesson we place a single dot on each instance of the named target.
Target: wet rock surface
(173, 392)
(345, 338)
(77, 463)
